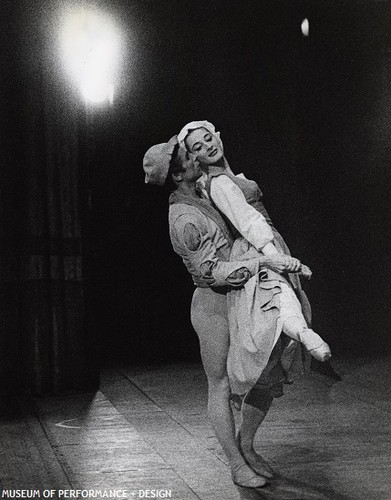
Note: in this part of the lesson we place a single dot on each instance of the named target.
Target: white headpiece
(194, 125)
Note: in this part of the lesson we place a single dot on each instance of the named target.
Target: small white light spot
(305, 27)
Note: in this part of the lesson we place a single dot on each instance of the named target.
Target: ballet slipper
(255, 461)
(259, 465)
(245, 477)
(315, 345)
(321, 353)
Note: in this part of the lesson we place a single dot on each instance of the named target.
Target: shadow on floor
(284, 488)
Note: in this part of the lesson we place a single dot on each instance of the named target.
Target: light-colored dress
(254, 331)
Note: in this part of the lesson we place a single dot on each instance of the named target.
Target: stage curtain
(53, 349)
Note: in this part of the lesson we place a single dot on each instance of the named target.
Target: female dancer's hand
(305, 272)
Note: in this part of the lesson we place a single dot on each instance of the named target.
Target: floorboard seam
(28, 408)
(129, 381)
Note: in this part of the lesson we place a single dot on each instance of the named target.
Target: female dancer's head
(201, 140)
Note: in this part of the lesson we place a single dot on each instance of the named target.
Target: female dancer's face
(205, 146)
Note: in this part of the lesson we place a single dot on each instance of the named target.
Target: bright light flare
(305, 27)
(90, 45)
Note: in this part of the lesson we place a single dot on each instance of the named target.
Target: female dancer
(240, 201)
(202, 239)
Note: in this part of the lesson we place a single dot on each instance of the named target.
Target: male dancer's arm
(193, 233)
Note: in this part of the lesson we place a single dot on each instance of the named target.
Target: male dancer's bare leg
(209, 319)
(252, 418)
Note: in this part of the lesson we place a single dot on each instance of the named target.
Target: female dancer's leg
(209, 319)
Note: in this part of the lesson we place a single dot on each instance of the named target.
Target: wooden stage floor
(146, 432)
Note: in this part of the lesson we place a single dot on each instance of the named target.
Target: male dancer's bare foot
(244, 476)
(254, 460)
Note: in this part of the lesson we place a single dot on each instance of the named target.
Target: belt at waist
(217, 289)
(201, 285)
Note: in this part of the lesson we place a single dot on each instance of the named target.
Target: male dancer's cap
(157, 161)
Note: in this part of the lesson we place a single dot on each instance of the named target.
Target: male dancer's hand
(305, 272)
(281, 263)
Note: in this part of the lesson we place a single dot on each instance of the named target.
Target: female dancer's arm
(250, 223)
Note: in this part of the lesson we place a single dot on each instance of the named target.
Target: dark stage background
(88, 276)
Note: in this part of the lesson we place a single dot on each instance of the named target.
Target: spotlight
(90, 45)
